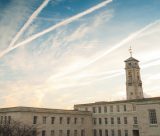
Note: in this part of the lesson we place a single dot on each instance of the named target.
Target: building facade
(135, 116)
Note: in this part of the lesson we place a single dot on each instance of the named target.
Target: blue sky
(80, 61)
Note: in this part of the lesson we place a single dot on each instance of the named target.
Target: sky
(57, 53)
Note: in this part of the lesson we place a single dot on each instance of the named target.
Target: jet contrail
(65, 22)
(121, 43)
(29, 21)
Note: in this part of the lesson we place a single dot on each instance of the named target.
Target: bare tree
(14, 128)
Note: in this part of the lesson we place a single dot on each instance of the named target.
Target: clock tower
(134, 88)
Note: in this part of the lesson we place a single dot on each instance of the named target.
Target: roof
(43, 110)
(131, 59)
(122, 101)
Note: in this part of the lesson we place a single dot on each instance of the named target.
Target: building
(136, 116)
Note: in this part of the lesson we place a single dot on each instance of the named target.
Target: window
(106, 132)
(60, 132)
(118, 108)
(94, 109)
(43, 133)
(134, 107)
(68, 120)
(99, 109)
(94, 121)
(119, 132)
(5, 119)
(60, 120)
(100, 132)
(34, 133)
(118, 120)
(86, 109)
(1, 119)
(52, 120)
(94, 132)
(125, 132)
(152, 116)
(125, 108)
(112, 132)
(52, 133)
(44, 119)
(68, 132)
(112, 120)
(105, 109)
(82, 120)
(106, 120)
(75, 120)
(9, 119)
(100, 121)
(111, 108)
(135, 120)
(35, 119)
(75, 133)
(125, 120)
(82, 132)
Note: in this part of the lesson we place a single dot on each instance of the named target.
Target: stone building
(136, 116)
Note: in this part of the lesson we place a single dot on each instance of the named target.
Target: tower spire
(130, 51)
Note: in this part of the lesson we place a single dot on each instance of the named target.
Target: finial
(130, 51)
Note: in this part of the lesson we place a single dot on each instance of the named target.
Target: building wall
(138, 110)
(148, 129)
(83, 123)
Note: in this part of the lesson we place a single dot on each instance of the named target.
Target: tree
(14, 128)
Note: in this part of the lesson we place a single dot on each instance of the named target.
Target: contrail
(29, 21)
(121, 43)
(65, 22)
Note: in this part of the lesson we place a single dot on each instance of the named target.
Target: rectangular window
(5, 119)
(52, 120)
(112, 132)
(60, 120)
(86, 109)
(75, 120)
(35, 119)
(125, 108)
(82, 132)
(106, 132)
(94, 132)
(125, 132)
(111, 108)
(94, 109)
(43, 133)
(118, 109)
(106, 120)
(9, 119)
(94, 121)
(52, 133)
(60, 132)
(44, 119)
(68, 120)
(75, 133)
(68, 132)
(99, 109)
(119, 132)
(82, 120)
(135, 120)
(105, 109)
(118, 120)
(112, 120)
(100, 121)
(100, 132)
(1, 119)
(125, 120)
(134, 107)
(34, 133)
(152, 116)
